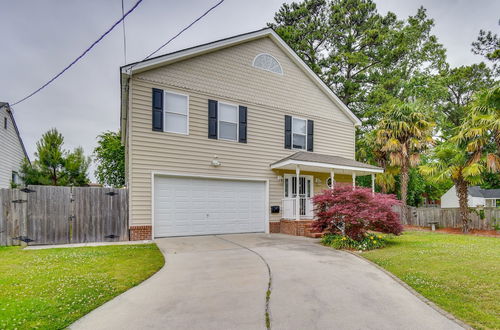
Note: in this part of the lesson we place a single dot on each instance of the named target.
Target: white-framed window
(176, 113)
(299, 133)
(267, 62)
(16, 179)
(228, 121)
(329, 182)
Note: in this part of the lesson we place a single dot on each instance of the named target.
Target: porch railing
(305, 208)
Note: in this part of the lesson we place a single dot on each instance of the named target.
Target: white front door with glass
(305, 192)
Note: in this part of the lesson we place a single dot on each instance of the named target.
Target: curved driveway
(214, 282)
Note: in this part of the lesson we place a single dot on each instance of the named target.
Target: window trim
(237, 121)
(305, 135)
(181, 114)
(15, 175)
(260, 68)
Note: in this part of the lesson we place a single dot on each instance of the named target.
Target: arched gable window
(267, 62)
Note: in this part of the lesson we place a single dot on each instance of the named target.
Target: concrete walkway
(212, 282)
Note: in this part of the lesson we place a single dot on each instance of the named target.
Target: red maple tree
(353, 212)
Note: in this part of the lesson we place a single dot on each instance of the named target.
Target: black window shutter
(157, 109)
(212, 119)
(310, 135)
(242, 124)
(288, 132)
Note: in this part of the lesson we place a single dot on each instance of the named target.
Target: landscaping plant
(369, 242)
(352, 212)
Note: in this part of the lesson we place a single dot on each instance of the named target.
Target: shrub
(358, 210)
(369, 242)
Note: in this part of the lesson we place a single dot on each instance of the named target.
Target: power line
(179, 33)
(81, 55)
(124, 36)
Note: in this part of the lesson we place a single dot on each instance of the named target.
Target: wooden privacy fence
(58, 215)
(450, 218)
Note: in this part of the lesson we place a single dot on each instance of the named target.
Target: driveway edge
(413, 291)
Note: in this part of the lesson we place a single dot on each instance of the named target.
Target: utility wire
(124, 36)
(179, 33)
(81, 55)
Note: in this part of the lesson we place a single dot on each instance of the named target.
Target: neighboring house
(231, 137)
(12, 151)
(476, 197)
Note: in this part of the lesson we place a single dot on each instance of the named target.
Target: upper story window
(228, 121)
(176, 113)
(267, 62)
(299, 133)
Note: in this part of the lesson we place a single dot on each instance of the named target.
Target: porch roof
(314, 162)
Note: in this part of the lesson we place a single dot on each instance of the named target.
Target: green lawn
(50, 289)
(459, 273)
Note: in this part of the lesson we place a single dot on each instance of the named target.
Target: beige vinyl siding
(268, 97)
(192, 154)
(11, 150)
(229, 73)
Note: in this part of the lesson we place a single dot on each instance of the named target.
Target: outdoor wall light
(279, 178)
(215, 162)
(317, 181)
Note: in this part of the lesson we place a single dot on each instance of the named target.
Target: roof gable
(188, 53)
(6, 107)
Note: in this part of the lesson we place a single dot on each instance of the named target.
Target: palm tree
(404, 132)
(450, 160)
(474, 149)
(370, 151)
(481, 129)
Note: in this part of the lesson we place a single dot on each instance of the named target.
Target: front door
(305, 190)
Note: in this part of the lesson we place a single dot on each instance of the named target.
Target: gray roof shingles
(328, 159)
(476, 191)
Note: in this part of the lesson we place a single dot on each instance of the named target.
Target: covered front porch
(304, 172)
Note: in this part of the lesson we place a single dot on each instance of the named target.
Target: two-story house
(12, 151)
(232, 136)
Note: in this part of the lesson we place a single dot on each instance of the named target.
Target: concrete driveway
(220, 282)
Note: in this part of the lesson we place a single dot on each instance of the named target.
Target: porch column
(373, 184)
(332, 177)
(353, 180)
(297, 195)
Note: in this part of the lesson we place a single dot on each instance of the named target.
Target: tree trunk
(463, 202)
(404, 178)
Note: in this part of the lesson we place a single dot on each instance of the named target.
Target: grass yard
(459, 273)
(50, 289)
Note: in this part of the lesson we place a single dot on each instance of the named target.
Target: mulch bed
(475, 232)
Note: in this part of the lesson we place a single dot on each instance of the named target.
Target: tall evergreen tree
(366, 58)
(54, 165)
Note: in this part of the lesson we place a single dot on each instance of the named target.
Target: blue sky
(40, 37)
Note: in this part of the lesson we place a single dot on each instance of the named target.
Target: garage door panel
(193, 206)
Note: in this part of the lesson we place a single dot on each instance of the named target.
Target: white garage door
(193, 206)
